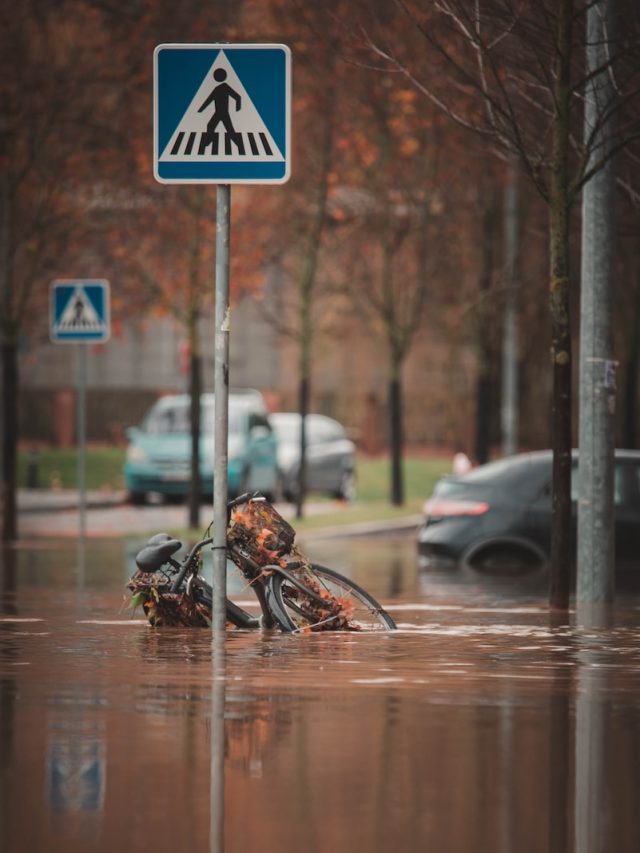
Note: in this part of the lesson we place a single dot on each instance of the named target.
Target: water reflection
(218, 752)
(8, 579)
(559, 776)
(386, 566)
(592, 811)
(480, 725)
(76, 766)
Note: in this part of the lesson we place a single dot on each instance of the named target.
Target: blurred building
(145, 360)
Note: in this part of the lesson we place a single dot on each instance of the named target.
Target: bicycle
(294, 594)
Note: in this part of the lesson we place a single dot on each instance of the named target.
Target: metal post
(221, 388)
(81, 437)
(595, 554)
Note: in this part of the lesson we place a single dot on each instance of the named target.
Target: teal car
(159, 452)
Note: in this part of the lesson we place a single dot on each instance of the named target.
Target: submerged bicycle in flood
(294, 594)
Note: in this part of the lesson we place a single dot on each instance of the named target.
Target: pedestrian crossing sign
(79, 312)
(222, 113)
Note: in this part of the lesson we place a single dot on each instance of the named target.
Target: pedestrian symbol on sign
(220, 97)
(79, 314)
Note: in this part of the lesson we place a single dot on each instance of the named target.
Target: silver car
(330, 455)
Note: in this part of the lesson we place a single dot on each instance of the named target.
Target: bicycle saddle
(156, 552)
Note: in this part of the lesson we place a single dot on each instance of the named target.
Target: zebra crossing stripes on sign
(222, 113)
(80, 311)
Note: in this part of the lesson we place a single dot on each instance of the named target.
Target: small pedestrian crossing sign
(79, 311)
(222, 113)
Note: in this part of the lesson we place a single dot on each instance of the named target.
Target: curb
(365, 528)
(42, 501)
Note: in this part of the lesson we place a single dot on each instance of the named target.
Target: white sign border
(224, 46)
(77, 282)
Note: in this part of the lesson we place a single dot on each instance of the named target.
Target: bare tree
(55, 120)
(297, 232)
(389, 293)
(385, 208)
(300, 260)
(514, 72)
(169, 265)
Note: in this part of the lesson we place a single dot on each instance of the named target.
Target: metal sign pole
(221, 389)
(81, 438)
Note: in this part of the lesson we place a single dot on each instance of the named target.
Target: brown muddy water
(478, 726)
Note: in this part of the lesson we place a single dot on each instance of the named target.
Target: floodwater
(478, 726)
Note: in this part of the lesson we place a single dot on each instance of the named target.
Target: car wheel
(137, 498)
(347, 488)
(505, 559)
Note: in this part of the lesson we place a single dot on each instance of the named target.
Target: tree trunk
(198, 202)
(484, 333)
(561, 409)
(632, 357)
(396, 438)
(509, 396)
(9, 384)
(195, 389)
(559, 209)
(9, 441)
(484, 404)
(303, 408)
(307, 290)
(630, 394)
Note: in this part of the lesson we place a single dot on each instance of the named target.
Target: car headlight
(136, 454)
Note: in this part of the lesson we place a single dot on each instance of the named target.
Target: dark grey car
(499, 515)
(330, 455)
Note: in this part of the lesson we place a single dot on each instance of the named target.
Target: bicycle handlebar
(241, 499)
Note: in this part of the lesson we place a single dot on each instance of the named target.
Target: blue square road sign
(222, 113)
(79, 311)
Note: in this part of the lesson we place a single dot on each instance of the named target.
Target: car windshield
(174, 418)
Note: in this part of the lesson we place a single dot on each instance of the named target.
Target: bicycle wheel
(345, 607)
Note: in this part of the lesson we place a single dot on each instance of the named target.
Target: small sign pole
(221, 389)
(81, 429)
(80, 314)
(81, 422)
